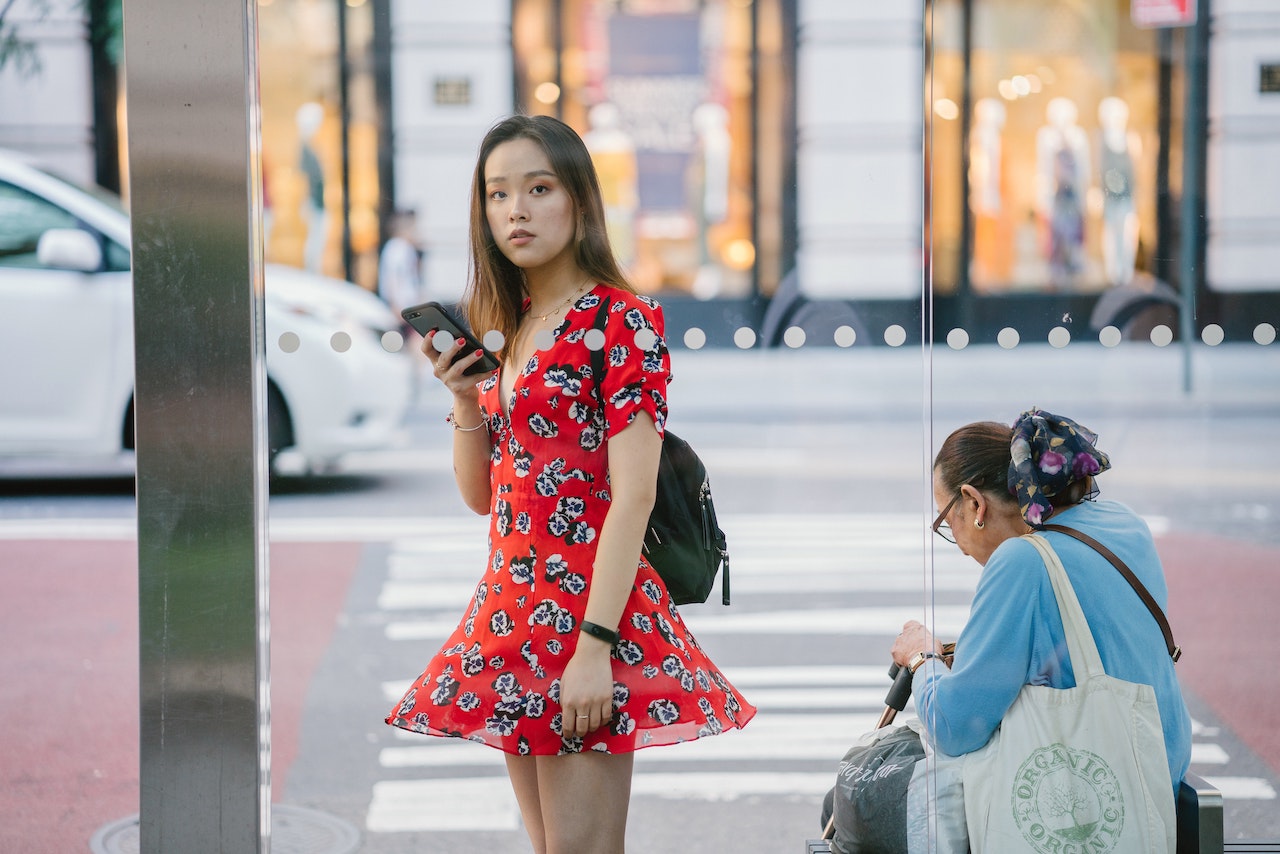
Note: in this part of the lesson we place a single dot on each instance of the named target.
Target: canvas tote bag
(1073, 770)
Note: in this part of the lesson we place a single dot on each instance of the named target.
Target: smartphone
(432, 316)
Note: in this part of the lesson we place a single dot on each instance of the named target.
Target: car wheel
(279, 422)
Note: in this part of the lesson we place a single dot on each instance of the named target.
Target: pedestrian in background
(400, 264)
(571, 655)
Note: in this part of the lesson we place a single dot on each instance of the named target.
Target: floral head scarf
(1048, 454)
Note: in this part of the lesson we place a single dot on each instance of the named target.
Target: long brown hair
(495, 287)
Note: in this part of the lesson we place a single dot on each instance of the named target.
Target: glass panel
(1088, 261)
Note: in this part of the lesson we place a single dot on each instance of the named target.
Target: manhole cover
(294, 830)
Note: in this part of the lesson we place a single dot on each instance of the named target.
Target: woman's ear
(975, 502)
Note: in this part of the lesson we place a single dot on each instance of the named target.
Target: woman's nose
(517, 214)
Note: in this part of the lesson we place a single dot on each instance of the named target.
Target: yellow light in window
(1021, 85)
(739, 254)
(547, 93)
(1005, 87)
(946, 109)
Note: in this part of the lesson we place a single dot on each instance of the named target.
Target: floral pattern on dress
(496, 680)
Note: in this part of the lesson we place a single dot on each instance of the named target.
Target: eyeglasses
(940, 526)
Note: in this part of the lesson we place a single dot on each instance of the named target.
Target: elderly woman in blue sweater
(993, 484)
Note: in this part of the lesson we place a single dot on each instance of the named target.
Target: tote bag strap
(1085, 660)
(1175, 651)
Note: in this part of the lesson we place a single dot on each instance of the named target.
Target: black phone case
(431, 316)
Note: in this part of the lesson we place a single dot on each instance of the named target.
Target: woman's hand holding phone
(450, 362)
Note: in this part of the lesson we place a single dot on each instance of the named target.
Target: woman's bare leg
(584, 799)
(523, 771)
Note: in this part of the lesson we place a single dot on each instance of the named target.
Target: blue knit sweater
(1014, 634)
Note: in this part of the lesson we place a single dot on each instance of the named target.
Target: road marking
(487, 803)
(880, 621)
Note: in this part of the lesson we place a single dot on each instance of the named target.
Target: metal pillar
(191, 73)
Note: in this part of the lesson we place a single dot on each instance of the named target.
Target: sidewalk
(69, 697)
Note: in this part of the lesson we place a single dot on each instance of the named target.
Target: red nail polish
(479, 352)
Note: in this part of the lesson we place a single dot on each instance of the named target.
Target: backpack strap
(597, 356)
(1175, 651)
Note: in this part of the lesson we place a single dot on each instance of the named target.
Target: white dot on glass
(392, 341)
(1161, 336)
(1264, 334)
(1008, 338)
(695, 338)
(895, 336)
(289, 342)
(1059, 336)
(1109, 336)
(646, 339)
(1212, 335)
(793, 337)
(744, 338)
(957, 339)
(441, 341)
(594, 339)
(340, 342)
(845, 336)
(493, 340)
(544, 339)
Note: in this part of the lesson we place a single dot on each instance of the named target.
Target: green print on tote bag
(1064, 797)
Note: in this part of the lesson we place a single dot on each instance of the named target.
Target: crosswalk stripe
(487, 803)
(878, 621)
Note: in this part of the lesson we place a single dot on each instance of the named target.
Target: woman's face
(529, 211)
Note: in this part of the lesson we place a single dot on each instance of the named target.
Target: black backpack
(683, 543)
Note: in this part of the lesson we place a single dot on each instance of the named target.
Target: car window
(23, 218)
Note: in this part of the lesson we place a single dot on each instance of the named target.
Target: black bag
(870, 800)
(683, 542)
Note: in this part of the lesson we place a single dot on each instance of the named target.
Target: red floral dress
(497, 678)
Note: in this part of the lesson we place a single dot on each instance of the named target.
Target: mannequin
(711, 124)
(992, 259)
(1062, 181)
(309, 117)
(614, 156)
(1121, 149)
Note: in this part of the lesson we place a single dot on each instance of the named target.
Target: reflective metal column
(195, 196)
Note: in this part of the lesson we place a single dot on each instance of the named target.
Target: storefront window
(1047, 144)
(319, 136)
(662, 92)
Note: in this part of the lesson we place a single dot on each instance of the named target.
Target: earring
(978, 523)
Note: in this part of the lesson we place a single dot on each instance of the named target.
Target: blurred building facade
(764, 157)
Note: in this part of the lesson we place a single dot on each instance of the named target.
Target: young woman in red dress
(570, 656)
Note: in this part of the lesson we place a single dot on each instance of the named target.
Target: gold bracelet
(452, 421)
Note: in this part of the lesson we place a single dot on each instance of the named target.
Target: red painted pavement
(1224, 609)
(69, 678)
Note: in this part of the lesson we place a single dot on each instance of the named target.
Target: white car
(66, 343)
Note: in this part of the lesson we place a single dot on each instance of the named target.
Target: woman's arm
(587, 685)
(962, 707)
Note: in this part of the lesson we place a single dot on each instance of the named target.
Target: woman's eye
(540, 189)
(497, 196)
